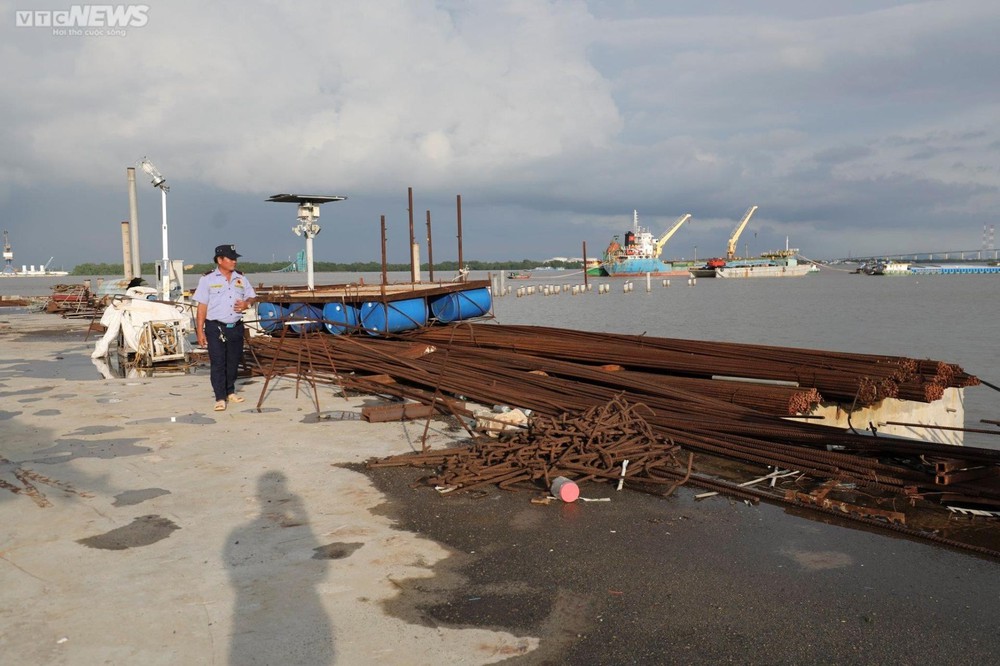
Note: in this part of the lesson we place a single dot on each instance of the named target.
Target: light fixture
(154, 173)
(308, 213)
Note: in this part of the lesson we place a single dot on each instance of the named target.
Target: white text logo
(84, 16)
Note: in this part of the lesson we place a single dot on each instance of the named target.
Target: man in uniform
(223, 296)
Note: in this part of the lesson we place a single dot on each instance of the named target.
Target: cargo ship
(779, 263)
(639, 254)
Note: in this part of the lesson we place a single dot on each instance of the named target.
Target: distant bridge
(979, 254)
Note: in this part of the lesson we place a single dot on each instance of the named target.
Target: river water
(950, 318)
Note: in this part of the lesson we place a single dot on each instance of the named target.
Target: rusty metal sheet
(853, 509)
(396, 412)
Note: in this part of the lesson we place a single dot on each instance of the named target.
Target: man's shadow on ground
(278, 616)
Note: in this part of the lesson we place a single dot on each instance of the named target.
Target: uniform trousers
(225, 350)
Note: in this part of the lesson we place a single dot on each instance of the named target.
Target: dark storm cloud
(855, 126)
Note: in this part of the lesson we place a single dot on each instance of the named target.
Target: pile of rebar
(859, 379)
(604, 443)
(554, 372)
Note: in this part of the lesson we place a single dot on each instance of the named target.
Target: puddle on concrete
(94, 430)
(73, 365)
(65, 450)
(335, 551)
(8, 415)
(31, 391)
(48, 412)
(25, 401)
(130, 497)
(196, 419)
(142, 531)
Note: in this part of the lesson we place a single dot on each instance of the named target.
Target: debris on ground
(605, 443)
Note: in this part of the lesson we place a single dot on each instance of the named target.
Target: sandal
(220, 405)
(235, 398)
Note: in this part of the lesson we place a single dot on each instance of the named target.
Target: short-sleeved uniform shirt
(221, 295)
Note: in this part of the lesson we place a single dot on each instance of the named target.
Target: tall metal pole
(133, 221)
(165, 268)
(430, 248)
(584, 264)
(458, 205)
(414, 266)
(385, 269)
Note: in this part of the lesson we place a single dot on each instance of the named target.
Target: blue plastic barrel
(305, 317)
(378, 318)
(340, 318)
(270, 316)
(460, 305)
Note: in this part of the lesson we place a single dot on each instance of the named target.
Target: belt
(226, 324)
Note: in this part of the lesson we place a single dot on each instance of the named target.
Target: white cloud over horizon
(861, 127)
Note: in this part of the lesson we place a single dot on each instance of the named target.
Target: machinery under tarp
(151, 330)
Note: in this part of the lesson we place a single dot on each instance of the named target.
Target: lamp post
(161, 182)
(308, 214)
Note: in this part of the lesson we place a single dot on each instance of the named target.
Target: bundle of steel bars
(861, 379)
(555, 371)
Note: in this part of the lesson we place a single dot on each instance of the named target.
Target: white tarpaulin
(130, 315)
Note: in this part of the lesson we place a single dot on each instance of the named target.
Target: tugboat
(640, 253)
(595, 268)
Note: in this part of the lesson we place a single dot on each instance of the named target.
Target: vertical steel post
(430, 248)
(458, 205)
(385, 276)
(414, 269)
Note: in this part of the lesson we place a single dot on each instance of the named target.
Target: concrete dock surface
(142, 527)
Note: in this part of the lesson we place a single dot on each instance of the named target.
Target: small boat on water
(518, 275)
(640, 253)
(889, 267)
(595, 268)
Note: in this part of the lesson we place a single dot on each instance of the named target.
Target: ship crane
(8, 255)
(734, 239)
(663, 240)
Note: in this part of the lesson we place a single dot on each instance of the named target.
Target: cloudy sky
(858, 127)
